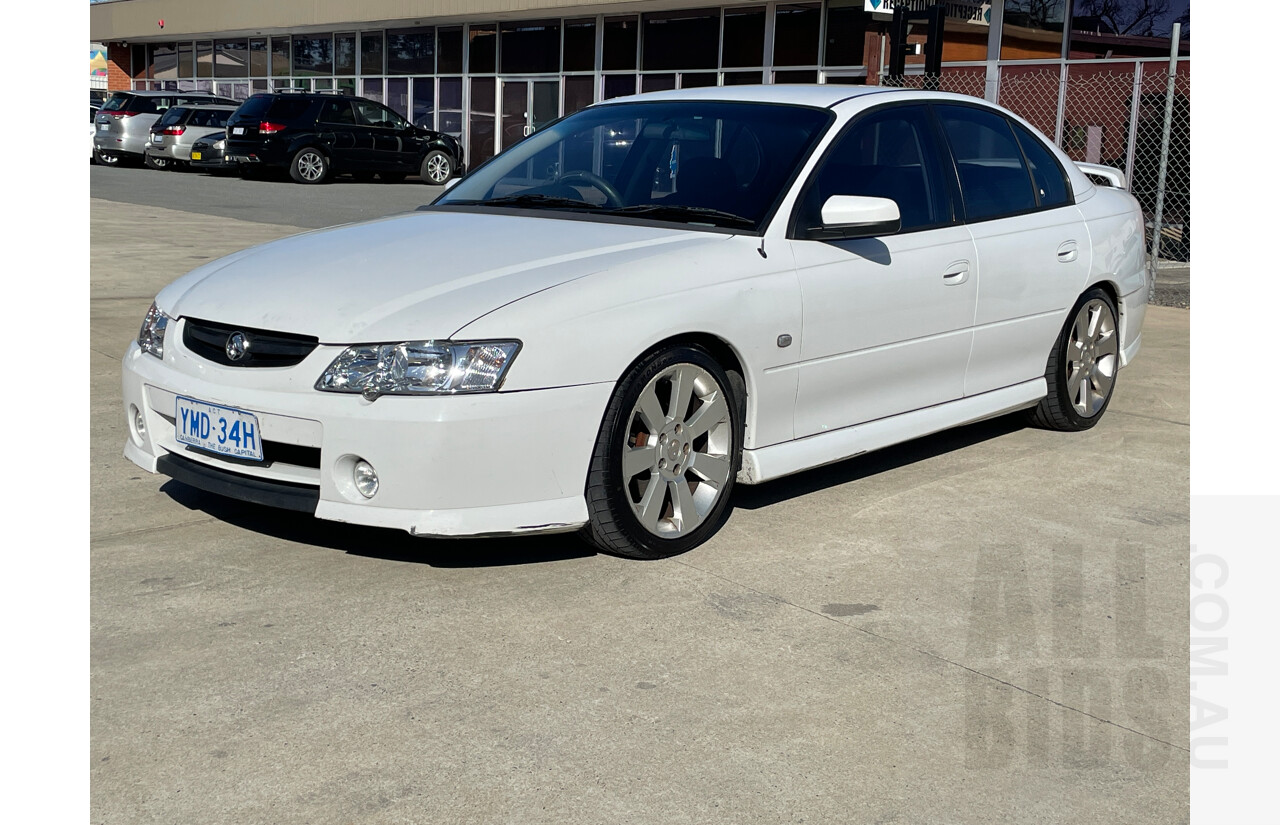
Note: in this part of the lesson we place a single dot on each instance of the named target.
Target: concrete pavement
(988, 625)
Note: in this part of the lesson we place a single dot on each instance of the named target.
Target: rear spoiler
(1113, 175)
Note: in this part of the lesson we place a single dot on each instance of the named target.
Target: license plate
(222, 430)
(237, 130)
(102, 127)
(156, 139)
(196, 156)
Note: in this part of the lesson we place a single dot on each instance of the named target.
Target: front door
(527, 105)
(888, 321)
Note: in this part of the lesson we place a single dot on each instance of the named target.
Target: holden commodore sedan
(766, 280)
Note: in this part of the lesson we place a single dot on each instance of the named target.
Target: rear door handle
(1068, 252)
(956, 273)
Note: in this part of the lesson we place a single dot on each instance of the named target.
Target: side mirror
(855, 216)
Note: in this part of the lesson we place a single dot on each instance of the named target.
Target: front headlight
(420, 368)
(151, 336)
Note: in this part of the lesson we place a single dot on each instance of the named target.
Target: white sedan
(582, 337)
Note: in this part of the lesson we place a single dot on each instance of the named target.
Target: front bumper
(464, 465)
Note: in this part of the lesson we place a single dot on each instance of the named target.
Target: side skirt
(778, 460)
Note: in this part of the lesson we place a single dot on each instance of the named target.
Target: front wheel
(309, 166)
(1081, 373)
(437, 168)
(665, 459)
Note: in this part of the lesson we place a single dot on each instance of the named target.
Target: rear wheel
(437, 168)
(665, 459)
(106, 160)
(309, 166)
(1081, 373)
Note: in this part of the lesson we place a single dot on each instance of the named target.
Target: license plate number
(196, 156)
(102, 127)
(222, 430)
(156, 139)
(237, 130)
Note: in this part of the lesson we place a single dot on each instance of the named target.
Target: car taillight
(174, 130)
(119, 113)
(270, 128)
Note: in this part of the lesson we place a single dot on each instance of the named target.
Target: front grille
(265, 349)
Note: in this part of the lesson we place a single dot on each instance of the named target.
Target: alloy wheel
(311, 166)
(438, 169)
(1092, 358)
(676, 459)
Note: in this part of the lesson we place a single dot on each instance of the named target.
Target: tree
(1135, 18)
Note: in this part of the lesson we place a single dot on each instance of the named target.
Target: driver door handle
(956, 273)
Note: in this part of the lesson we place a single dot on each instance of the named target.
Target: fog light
(365, 478)
(139, 423)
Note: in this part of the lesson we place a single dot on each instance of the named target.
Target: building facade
(486, 70)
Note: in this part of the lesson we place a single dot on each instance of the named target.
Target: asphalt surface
(987, 625)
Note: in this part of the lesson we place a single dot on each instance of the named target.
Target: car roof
(153, 93)
(217, 107)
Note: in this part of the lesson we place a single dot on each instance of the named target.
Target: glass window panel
(138, 61)
(411, 51)
(795, 38)
(186, 60)
(966, 39)
(743, 78)
(793, 76)
(280, 59)
(1127, 28)
(483, 49)
(846, 33)
(993, 178)
(231, 58)
(579, 45)
(204, 58)
(744, 37)
(344, 54)
(483, 120)
(657, 82)
(617, 85)
(693, 80)
(451, 104)
(372, 88)
(1032, 29)
(449, 50)
(681, 39)
(1050, 182)
(371, 53)
(261, 86)
(323, 84)
(530, 47)
(620, 38)
(346, 86)
(424, 102)
(164, 60)
(258, 57)
(313, 55)
(579, 92)
(398, 95)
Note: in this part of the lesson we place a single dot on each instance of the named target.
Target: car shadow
(890, 458)
(399, 546)
(378, 542)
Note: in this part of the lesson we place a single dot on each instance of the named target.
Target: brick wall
(119, 74)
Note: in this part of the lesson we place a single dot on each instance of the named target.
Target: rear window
(133, 103)
(209, 117)
(255, 106)
(274, 108)
(172, 116)
(117, 102)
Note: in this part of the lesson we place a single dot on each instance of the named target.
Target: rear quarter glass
(288, 108)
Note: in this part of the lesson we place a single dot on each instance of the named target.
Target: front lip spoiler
(281, 494)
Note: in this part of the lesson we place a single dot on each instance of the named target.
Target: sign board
(968, 11)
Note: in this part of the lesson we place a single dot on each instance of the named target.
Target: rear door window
(288, 108)
(338, 111)
(994, 179)
(208, 117)
(1051, 182)
(118, 103)
(174, 115)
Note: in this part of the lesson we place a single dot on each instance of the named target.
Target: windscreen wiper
(685, 214)
(534, 201)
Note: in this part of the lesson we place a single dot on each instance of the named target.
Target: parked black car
(315, 136)
(207, 155)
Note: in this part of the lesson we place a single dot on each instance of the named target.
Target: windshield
(695, 162)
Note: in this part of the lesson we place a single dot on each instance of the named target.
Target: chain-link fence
(1108, 112)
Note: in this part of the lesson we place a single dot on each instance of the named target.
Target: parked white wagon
(587, 334)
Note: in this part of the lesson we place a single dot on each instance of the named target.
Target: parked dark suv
(315, 136)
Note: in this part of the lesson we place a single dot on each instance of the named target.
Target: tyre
(392, 177)
(159, 163)
(662, 471)
(437, 168)
(1081, 373)
(106, 160)
(309, 165)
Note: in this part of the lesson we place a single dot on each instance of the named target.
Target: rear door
(337, 129)
(1032, 245)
